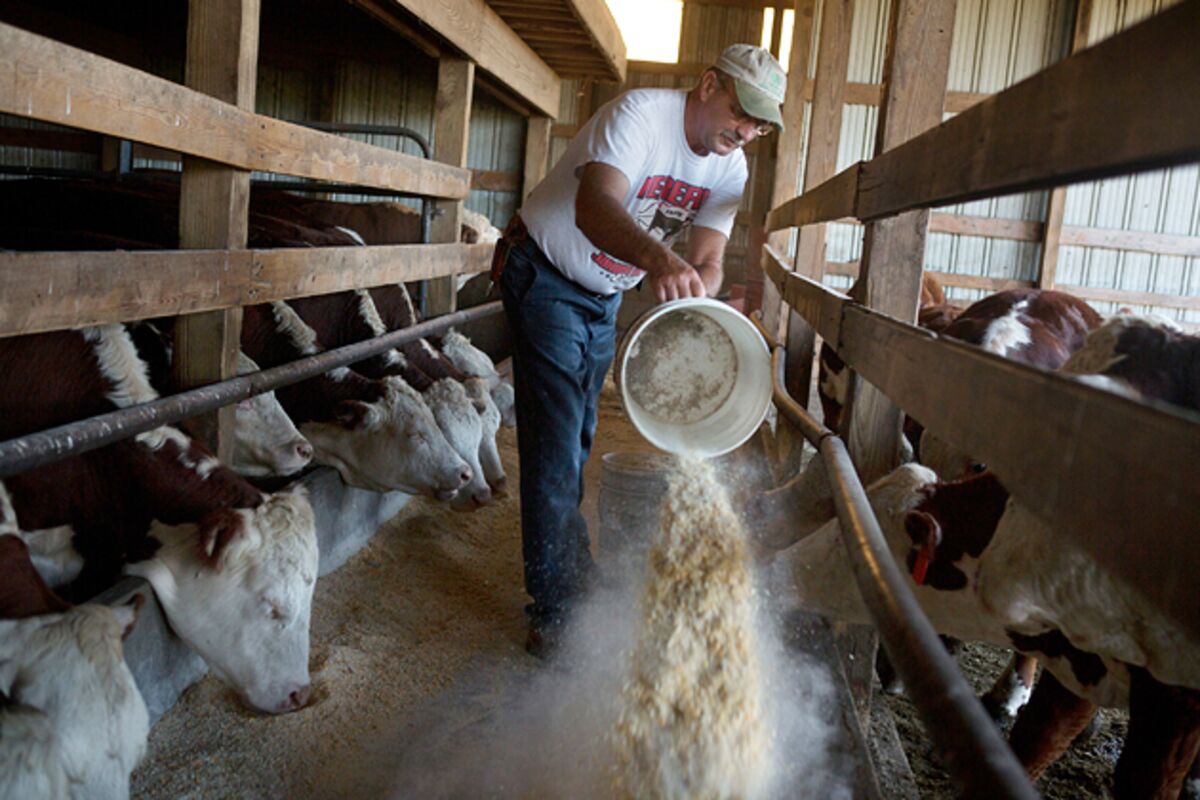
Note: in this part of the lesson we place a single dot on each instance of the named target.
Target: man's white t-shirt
(670, 187)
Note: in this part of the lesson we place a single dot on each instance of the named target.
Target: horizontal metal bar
(36, 449)
(978, 759)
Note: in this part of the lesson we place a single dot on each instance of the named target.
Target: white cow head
(267, 440)
(237, 588)
(392, 444)
(470, 360)
(67, 675)
(489, 417)
(947, 460)
(459, 421)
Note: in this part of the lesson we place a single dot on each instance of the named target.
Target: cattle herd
(234, 565)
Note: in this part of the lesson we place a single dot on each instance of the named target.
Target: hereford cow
(72, 722)
(397, 311)
(379, 434)
(266, 442)
(347, 317)
(236, 548)
(985, 568)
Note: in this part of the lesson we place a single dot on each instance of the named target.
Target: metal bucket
(695, 377)
(632, 488)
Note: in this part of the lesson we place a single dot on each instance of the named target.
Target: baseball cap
(759, 79)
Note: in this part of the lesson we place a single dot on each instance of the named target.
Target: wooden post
(214, 201)
(452, 110)
(1056, 204)
(537, 152)
(825, 130)
(915, 73)
(787, 154)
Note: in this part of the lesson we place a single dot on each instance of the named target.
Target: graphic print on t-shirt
(665, 208)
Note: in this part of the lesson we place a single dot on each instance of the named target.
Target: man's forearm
(608, 226)
(712, 274)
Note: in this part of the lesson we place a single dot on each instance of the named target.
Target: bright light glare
(768, 24)
(650, 28)
(785, 41)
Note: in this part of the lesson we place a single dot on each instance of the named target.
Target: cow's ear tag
(924, 558)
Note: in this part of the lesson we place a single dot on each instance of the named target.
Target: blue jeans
(564, 340)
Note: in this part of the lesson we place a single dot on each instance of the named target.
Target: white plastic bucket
(695, 377)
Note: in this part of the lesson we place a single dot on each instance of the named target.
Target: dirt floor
(417, 662)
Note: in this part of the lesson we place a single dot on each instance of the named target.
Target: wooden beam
(602, 28)
(1141, 241)
(788, 149)
(830, 201)
(916, 67)
(1128, 298)
(214, 202)
(479, 32)
(1048, 437)
(993, 227)
(48, 291)
(849, 269)
(452, 127)
(1057, 201)
(42, 79)
(1096, 114)
(537, 152)
(490, 180)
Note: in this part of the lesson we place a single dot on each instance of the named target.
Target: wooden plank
(788, 148)
(451, 126)
(537, 153)
(1141, 241)
(1050, 440)
(48, 291)
(495, 180)
(1123, 297)
(850, 269)
(602, 27)
(42, 79)
(830, 201)
(1057, 201)
(1098, 113)
(820, 305)
(214, 202)
(479, 32)
(966, 225)
(916, 67)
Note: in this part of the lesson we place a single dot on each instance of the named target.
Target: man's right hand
(677, 279)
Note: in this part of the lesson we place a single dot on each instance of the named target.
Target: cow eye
(977, 468)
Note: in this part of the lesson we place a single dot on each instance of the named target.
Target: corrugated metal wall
(1164, 201)
(996, 44)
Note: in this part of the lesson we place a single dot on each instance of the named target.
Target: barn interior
(993, 145)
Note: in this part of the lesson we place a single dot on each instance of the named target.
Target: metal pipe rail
(36, 449)
(978, 759)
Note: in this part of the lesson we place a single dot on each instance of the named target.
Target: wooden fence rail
(1080, 457)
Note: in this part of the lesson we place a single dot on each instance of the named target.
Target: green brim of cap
(758, 104)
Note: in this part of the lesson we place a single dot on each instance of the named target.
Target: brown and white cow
(266, 442)
(72, 722)
(250, 557)
(347, 317)
(379, 434)
(992, 571)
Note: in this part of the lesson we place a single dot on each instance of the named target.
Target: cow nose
(500, 488)
(464, 476)
(298, 697)
(304, 450)
(481, 498)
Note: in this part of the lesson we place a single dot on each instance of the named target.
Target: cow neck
(968, 512)
(395, 306)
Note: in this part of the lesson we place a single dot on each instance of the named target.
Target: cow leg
(1012, 689)
(1047, 725)
(1163, 739)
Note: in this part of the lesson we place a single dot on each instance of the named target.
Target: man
(647, 166)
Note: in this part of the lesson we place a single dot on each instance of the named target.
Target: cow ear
(127, 614)
(217, 530)
(352, 414)
(923, 529)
